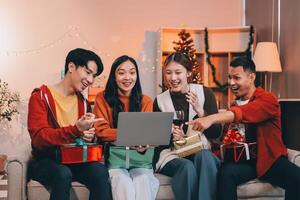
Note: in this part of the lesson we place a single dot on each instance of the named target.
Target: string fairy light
(72, 32)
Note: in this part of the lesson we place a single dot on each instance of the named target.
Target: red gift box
(239, 151)
(74, 153)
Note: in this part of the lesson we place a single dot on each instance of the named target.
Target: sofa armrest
(16, 171)
(294, 156)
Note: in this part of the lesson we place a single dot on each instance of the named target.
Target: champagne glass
(178, 118)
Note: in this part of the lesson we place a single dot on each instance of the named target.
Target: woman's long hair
(111, 90)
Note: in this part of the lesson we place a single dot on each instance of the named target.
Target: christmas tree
(186, 45)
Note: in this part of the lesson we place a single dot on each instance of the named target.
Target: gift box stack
(3, 178)
(234, 149)
(3, 187)
(80, 152)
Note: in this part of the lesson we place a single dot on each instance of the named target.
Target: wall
(289, 49)
(36, 35)
(259, 13)
(285, 84)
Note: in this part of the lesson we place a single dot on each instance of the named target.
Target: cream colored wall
(112, 27)
(35, 36)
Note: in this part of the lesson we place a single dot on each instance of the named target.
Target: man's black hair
(245, 62)
(81, 57)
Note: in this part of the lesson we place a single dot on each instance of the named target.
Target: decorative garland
(248, 53)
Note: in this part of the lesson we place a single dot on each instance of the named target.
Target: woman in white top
(193, 177)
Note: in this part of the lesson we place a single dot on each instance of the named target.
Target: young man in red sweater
(58, 115)
(259, 112)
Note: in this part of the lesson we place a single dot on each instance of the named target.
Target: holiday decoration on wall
(71, 32)
(248, 53)
(186, 45)
(212, 66)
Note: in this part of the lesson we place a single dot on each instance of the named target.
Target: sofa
(20, 189)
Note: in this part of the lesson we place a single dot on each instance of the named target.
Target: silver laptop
(144, 128)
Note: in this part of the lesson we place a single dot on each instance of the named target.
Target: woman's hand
(192, 98)
(142, 149)
(178, 133)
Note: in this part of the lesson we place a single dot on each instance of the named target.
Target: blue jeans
(194, 177)
(58, 178)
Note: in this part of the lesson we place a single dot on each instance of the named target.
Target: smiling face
(176, 77)
(82, 76)
(241, 82)
(126, 76)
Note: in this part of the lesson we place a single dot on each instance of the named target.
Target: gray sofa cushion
(36, 191)
(253, 190)
(165, 190)
(256, 188)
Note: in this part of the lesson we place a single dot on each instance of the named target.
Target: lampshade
(266, 57)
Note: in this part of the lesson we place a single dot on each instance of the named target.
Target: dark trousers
(58, 178)
(282, 173)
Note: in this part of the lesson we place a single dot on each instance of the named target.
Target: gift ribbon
(127, 158)
(81, 142)
(232, 136)
(221, 151)
(187, 148)
(246, 148)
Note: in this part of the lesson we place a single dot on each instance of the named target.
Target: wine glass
(178, 118)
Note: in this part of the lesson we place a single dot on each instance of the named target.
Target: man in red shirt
(58, 114)
(259, 113)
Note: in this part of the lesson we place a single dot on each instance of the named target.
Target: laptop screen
(290, 122)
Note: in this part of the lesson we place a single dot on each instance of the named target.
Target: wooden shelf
(166, 53)
(219, 53)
